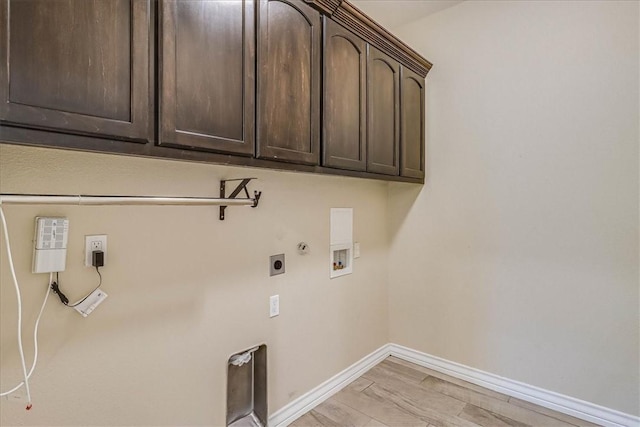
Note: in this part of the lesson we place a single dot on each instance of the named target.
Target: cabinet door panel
(76, 66)
(207, 75)
(383, 120)
(344, 119)
(412, 118)
(289, 81)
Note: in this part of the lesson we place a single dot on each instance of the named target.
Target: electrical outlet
(97, 242)
(276, 264)
(274, 305)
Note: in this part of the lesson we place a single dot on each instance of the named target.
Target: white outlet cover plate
(88, 242)
(274, 305)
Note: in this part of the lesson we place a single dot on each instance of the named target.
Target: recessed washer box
(341, 249)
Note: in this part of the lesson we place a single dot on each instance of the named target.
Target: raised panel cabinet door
(412, 118)
(207, 62)
(77, 66)
(383, 117)
(289, 34)
(344, 91)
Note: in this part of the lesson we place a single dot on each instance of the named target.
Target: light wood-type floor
(398, 393)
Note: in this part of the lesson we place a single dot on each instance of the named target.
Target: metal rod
(35, 199)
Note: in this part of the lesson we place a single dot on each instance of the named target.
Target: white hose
(35, 339)
(15, 282)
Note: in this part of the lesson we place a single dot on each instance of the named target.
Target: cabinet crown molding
(349, 16)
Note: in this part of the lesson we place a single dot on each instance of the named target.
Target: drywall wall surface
(520, 254)
(395, 13)
(186, 290)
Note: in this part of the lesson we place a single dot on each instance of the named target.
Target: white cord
(15, 282)
(35, 339)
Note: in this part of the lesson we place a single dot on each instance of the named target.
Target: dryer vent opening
(247, 388)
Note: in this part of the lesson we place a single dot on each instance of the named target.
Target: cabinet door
(344, 118)
(289, 81)
(412, 124)
(383, 118)
(76, 66)
(207, 61)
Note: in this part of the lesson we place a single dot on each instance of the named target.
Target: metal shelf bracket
(240, 187)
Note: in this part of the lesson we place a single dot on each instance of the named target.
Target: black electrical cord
(55, 287)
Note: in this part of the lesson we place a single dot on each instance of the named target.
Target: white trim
(303, 404)
(548, 399)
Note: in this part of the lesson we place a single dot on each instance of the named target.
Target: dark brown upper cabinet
(344, 99)
(412, 118)
(77, 66)
(289, 37)
(207, 75)
(307, 85)
(383, 115)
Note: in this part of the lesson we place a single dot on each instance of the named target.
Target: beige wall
(186, 290)
(520, 254)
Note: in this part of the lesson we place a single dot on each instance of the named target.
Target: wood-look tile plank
(413, 392)
(389, 395)
(418, 410)
(341, 414)
(382, 370)
(449, 378)
(486, 418)
(359, 384)
(381, 411)
(551, 413)
(375, 423)
(497, 406)
(313, 419)
(405, 371)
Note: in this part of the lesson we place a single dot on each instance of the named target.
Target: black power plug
(97, 259)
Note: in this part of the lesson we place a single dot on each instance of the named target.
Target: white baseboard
(303, 404)
(548, 399)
